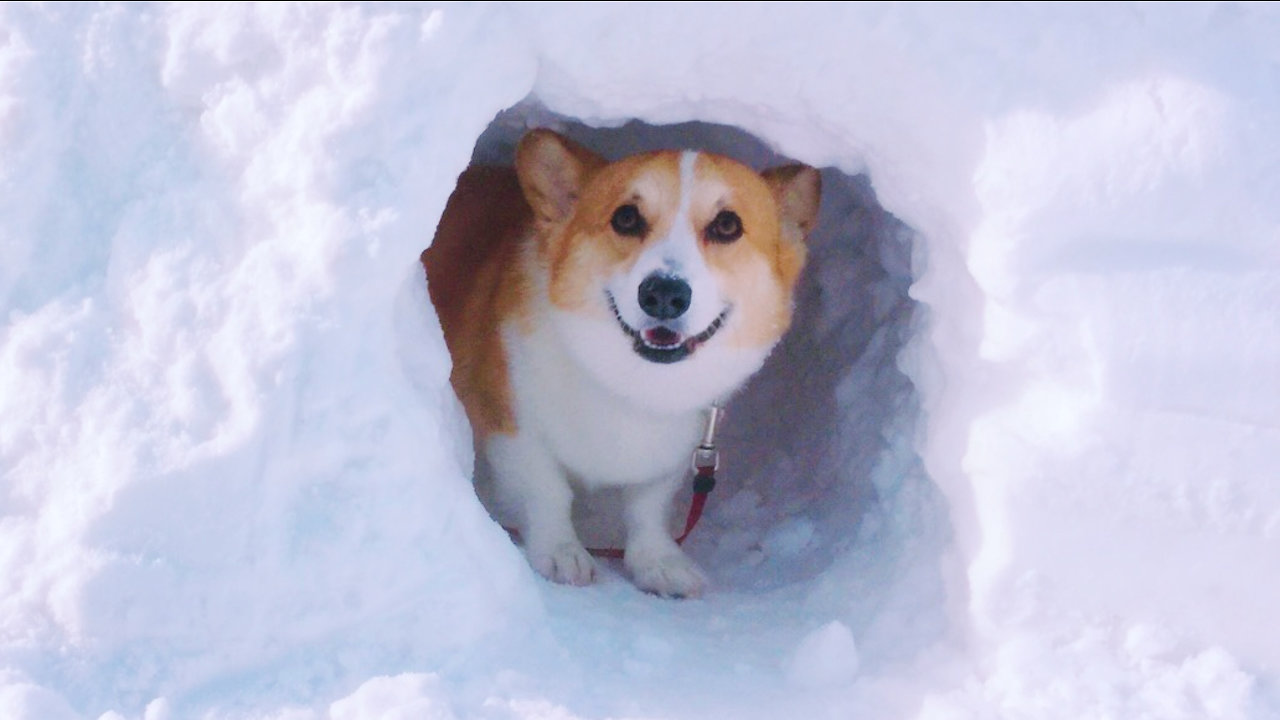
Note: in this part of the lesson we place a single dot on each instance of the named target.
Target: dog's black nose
(664, 297)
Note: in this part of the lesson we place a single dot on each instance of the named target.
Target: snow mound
(827, 656)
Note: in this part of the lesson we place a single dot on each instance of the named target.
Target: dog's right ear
(552, 169)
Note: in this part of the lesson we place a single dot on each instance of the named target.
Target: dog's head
(670, 274)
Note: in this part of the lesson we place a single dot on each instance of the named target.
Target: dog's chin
(660, 344)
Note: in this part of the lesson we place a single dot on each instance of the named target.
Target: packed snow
(1016, 459)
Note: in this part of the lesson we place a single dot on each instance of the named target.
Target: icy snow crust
(1017, 460)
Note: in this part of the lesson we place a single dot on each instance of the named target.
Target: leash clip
(706, 457)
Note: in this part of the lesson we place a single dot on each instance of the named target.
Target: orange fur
(475, 281)
(588, 249)
(763, 248)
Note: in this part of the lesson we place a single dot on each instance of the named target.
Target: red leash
(706, 460)
(704, 481)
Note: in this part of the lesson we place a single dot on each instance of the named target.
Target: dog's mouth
(660, 343)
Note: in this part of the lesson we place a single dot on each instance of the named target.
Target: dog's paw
(669, 575)
(567, 563)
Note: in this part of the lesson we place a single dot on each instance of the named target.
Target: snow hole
(821, 494)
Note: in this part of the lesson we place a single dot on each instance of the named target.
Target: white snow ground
(1018, 459)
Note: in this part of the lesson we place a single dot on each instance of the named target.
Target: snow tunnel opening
(821, 486)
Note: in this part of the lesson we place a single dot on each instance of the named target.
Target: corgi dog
(594, 310)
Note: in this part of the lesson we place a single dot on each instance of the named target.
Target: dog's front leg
(656, 562)
(528, 478)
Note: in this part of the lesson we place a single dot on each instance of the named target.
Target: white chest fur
(596, 432)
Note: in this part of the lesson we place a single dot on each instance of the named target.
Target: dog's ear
(552, 169)
(798, 190)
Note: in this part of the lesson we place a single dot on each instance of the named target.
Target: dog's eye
(628, 221)
(725, 227)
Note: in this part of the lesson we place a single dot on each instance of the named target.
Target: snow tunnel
(822, 495)
(1016, 457)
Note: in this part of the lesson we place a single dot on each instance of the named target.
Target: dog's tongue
(662, 337)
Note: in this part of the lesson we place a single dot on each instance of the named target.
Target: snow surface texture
(1043, 485)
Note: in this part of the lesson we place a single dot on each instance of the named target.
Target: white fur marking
(680, 248)
(687, 160)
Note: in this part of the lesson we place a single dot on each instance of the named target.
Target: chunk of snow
(825, 657)
(411, 696)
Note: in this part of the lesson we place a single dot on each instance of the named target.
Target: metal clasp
(706, 455)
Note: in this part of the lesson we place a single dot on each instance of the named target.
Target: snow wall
(1017, 459)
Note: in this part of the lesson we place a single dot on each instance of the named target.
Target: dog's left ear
(552, 170)
(798, 191)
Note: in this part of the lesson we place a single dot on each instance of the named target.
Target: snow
(411, 696)
(1016, 459)
(826, 656)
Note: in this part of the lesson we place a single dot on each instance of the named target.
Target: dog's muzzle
(661, 344)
